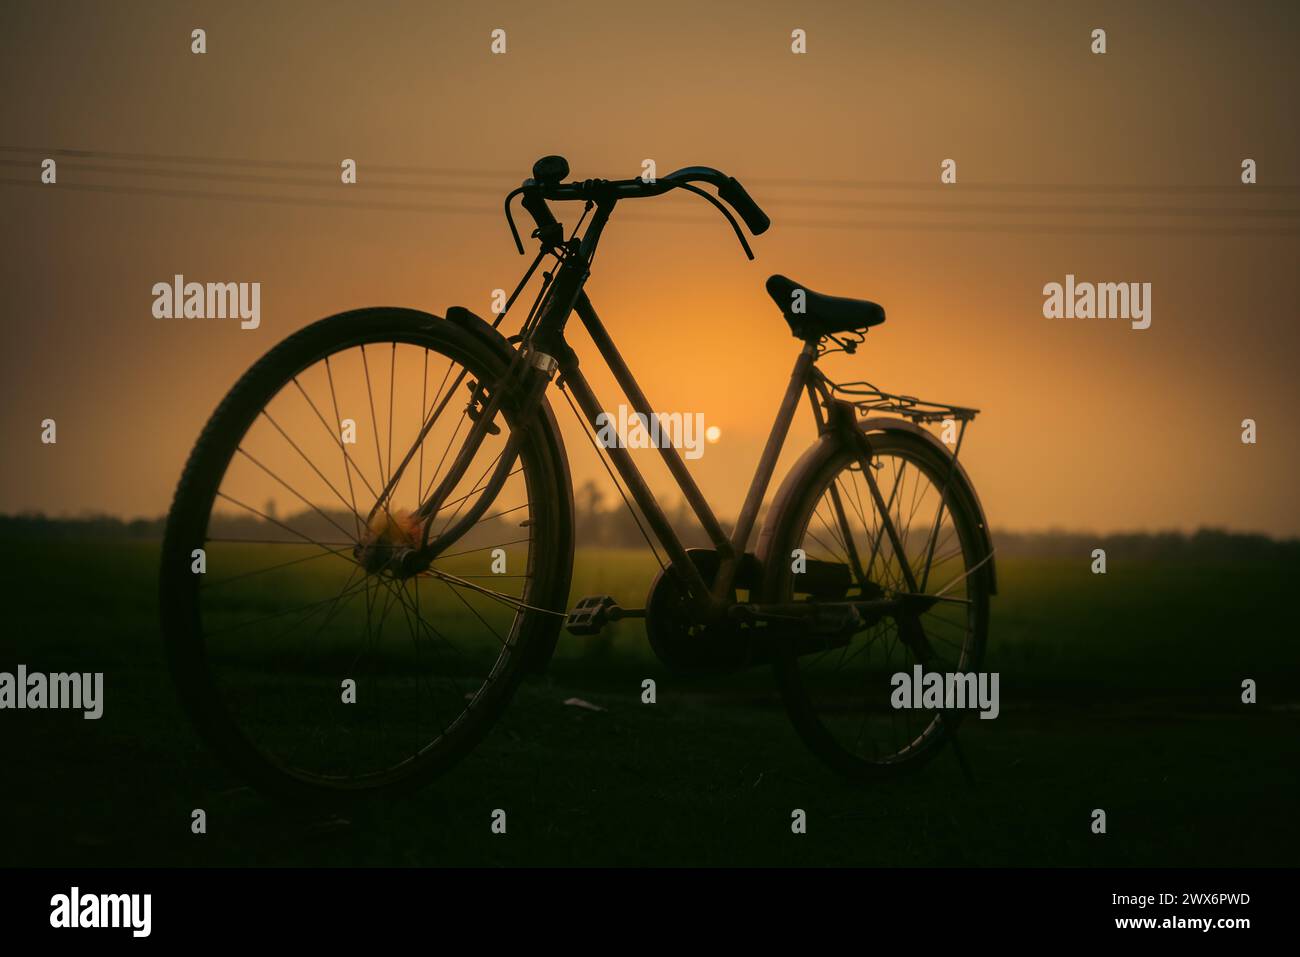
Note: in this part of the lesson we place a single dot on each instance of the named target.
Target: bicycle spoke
(392, 381)
(374, 420)
(338, 424)
(509, 600)
(292, 490)
(273, 521)
(263, 571)
(849, 682)
(279, 614)
(286, 629)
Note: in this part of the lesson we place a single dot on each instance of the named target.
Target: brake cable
(586, 208)
(519, 288)
(724, 211)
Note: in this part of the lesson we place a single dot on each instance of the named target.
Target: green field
(1119, 692)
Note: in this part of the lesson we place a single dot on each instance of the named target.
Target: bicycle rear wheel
(314, 670)
(838, 689)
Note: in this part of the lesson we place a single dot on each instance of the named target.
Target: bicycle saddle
(821, 315)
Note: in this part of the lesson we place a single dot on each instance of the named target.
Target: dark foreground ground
(1119, 692)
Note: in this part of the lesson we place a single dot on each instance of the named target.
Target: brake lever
(744, 244)
(511, 220)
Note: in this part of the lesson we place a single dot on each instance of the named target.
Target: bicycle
(397, 620)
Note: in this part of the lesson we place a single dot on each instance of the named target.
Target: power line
(907, 206)
(253, 198)
(1067, 208)
(782, 182)
(1066, 228)
(256, 179)
(307, 201)
(1029, 187)
(256, 163)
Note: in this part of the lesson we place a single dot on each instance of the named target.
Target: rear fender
(811, 460)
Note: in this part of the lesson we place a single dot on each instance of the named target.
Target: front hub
(391, 545)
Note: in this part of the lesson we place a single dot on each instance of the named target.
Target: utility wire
(293, 182)
(495, 192)
(495, 175)
(943, 209)
(499, 176)
(796, 223)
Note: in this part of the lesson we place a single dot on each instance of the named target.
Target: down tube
(574, 380)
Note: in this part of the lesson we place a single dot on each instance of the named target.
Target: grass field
(1119, 692)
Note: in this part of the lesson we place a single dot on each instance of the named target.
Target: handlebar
(732, 192)
(546, 186)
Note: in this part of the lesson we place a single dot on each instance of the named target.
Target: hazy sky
(1087, 424)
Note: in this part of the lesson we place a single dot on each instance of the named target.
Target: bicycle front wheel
(316, 671)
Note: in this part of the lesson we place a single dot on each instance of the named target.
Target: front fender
(490, 335)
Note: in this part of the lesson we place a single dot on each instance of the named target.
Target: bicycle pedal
(591, 614)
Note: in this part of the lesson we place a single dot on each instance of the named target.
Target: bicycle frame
(543, 352)
(730, 550)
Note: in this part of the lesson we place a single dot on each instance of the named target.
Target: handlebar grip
(732, 192)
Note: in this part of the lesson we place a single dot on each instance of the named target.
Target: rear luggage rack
(868, 399)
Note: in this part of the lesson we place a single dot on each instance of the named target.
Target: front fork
(523, 385)
(526, 378)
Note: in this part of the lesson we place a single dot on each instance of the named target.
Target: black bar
(972, 909)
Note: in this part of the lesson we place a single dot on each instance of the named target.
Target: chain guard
(684, 643)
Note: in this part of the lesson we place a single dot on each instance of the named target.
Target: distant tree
(588, 499)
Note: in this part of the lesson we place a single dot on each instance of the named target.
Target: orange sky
(1086, 425)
